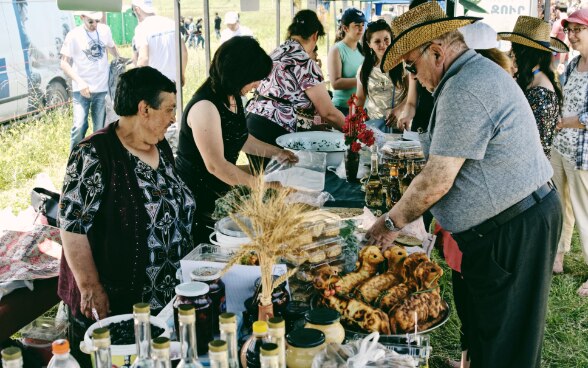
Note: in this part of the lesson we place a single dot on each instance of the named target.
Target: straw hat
(533, 32)
(418, 26)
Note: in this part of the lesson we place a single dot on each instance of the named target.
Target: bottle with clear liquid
(142, 314)
(217, 352)
(187, 320)
(270, 356)
(393, 194)
(253, 345)
(101, 341)
(228, 333)
(373, 185)
(160, 352)
(12, 357)
(407, 179)
(61, 357)
(277, 335)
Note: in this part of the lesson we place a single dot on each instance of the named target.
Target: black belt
(503, 217)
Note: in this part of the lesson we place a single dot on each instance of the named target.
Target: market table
(346, 194)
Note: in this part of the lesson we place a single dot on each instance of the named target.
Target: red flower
(355, 130)
(355, 147)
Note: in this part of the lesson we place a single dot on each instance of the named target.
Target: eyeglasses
(574, 30)
(92, 21)
(412, 67)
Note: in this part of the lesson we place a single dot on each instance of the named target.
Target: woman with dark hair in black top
(214, 130)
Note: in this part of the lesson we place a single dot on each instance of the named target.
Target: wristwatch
(390, 224)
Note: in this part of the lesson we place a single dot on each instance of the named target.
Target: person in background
(561, 13)
(293, 97)
(234, 27)
(489, 185)
(125, 216)
(155, 40)
(198, 33)
(376, 91)
(569, 156)
(345, 58)
(214, 130)
(217, 25)
(183, 31)
(534, 73)
(84, 60)
(191, 33)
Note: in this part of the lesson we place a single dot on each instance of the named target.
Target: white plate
(313, 141)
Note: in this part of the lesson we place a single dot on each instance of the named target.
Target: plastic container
(39, 334)
(197, 294)
(251, 348)
(317, 251)
(302, 346)
(322, 224)
(308, 271)
(209, 252)
(327, 321)
(120, 353)
(61, 357)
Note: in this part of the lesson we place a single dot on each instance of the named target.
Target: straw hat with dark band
(418, 26)
(533, 32)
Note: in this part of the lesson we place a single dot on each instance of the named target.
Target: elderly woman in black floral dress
(125, 215)
(532, 48)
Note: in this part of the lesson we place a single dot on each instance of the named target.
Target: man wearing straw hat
(486, 181)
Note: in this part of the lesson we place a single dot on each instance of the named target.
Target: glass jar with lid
(196, 294)
(302, 346)
(294, 315)
(327, 321)
(212, 277)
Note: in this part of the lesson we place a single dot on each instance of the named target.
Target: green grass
(41, 144)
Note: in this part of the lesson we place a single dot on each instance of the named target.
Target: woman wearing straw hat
(486, 181)
(532, 48)
(570, 155)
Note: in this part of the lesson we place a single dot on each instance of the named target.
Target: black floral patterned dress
(545, 106)
(169, 204)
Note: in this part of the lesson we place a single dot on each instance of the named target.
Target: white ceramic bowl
(333, 143)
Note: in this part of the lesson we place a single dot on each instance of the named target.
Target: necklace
(536, 71)
(95, 41)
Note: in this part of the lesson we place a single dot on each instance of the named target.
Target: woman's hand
(94, 296)
(286, 156)
(569, 122)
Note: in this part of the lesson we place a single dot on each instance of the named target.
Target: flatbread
(408, 240)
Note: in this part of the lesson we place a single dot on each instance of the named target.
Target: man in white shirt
(155, 40)
(84, 60)
(234, 28)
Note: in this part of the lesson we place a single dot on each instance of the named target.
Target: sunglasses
(412, 67)
(92, 21)
(574, 30)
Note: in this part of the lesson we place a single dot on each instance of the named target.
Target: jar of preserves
(212, 277)
(294, 315)
(196, 294)
(327, 321)
(302, 346)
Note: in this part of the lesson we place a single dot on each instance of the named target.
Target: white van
(31, 35)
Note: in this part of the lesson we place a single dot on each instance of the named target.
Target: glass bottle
(61, 357)
(228, 333)
(270, 356)
(101, 341)
(253, 345)
(12, 357)
(217, 352)
(212, 277)
(407, 179)
(393, 195)
(142, 314)
(187, 320)
(373, 185)
(277, 335)
(160, 352)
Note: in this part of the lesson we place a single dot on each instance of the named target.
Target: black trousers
(508, 275)
(463, 305)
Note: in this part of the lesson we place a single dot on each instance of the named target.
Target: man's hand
(85, 90)
(286, 156)
(379, 234)
(94, 296)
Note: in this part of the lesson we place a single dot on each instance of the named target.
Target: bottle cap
(305, 338)
(192, 289)
(11, 353)
(269, 349)
(227, 318)
(259, 327)
(276, 322)
(161, 343)
(217, 346)
(322, 316)
(60, 346)
(142, 308)
(101, 333)
(186, 310)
